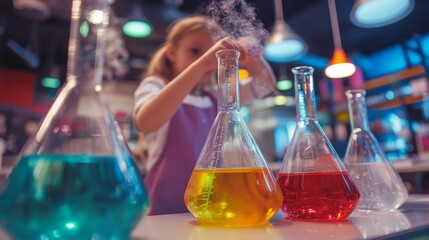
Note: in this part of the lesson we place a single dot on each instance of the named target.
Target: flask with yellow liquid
(231, 184)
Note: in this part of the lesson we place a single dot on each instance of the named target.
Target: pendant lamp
(284, 83)
(284, 45)
(340, 65)
(379, 13)
(137, 25)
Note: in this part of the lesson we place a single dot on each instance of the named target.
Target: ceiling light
(284, 85)
(50, 82)
(138, 26)
(283, 82)
(96, 16)
(339, 66)
(137, 29)
(284, 45)
(378, 13)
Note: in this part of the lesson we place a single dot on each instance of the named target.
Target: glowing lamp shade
(284, 85)
(378, 13)
(137, 29)
(340, 66)
(284, 45)
(50, 82)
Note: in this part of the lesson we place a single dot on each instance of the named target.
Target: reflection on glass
(308, 230)
(205, 232)
(375, 224)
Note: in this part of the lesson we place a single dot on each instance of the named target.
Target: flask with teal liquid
(75, 178)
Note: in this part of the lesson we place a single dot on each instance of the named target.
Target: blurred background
(390, 58)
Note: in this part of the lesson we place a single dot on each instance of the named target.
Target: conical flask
(76, 179)
(231, 184)
(380, 185)
(313, 179)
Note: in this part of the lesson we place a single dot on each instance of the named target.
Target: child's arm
(157, 111)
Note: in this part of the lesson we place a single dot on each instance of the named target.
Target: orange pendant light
(340, 65)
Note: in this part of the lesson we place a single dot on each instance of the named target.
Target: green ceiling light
(284, 85)
(49, 82)
(84, 29)
(137, 29)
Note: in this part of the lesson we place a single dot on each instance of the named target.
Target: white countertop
(413, 215)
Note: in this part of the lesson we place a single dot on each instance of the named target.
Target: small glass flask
(75, 178)
(380, 185)
(231, 184)
(314, 181)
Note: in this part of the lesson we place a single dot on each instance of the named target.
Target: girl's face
(189, 48)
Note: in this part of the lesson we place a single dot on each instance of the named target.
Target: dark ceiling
(47, 38)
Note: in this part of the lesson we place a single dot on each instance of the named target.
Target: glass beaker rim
(227, 51)
(303, 69)
(359, 92)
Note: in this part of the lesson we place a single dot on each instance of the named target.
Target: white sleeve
(153, 142)
(146, 90)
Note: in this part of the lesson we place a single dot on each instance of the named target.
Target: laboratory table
(411, 221)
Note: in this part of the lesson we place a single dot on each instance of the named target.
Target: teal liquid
(72, 197)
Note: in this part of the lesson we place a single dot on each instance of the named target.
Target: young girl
(175, 105)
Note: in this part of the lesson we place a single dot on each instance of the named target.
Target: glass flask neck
(227, 70)
(357, 109)
(89, 19)
(304, 93)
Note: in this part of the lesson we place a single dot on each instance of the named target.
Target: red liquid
(318, 195)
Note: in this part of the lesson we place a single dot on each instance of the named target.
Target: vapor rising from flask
(238, 20)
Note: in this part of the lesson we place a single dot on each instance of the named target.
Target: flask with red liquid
(314, 182)
(231, 184)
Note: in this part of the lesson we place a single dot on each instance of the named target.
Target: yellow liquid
(233, 197)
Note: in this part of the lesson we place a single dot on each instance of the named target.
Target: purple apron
(167, 180)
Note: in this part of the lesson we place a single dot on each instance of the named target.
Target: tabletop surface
(411, 218)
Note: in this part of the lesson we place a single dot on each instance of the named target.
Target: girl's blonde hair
(160, 65)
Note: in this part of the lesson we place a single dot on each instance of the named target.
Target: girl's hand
(208, 62)
(252, 50)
